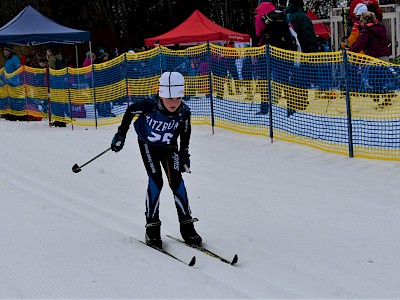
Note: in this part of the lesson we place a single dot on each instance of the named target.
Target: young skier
(158, 126)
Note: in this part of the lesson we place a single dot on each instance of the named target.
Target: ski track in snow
(43, 267)
(305, 224)
(59, 246)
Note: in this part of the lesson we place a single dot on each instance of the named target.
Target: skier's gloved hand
(118, 141)
(184, 159)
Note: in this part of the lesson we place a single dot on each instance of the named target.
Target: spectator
(12, 62)
(25, 59)
(277, 30)
(104, 108)
(247, 75)
(51, 58)
(55, 58)
(302, 25)
(355, 32)
(42, 80)
(232, 72)
(55, 61)
(203, 71)
(57, 108)
(89, 60)
(100, 52)
(114, 53)
(261, 84)
(104, 57)
(373, 38)
(42, 63)
(372, 6)
(264, 7)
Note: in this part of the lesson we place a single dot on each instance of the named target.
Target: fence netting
(339, 102)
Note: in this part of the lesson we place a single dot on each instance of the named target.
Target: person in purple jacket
(373, 38)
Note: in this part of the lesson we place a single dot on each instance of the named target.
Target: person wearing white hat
(372, 5)
(359, 9)
(159, 124)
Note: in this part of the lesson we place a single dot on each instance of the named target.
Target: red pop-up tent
(321, 29)
(197, 29)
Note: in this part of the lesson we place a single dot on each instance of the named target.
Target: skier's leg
(178, 188)
(153, 168)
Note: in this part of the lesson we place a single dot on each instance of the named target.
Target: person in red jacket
(372, 6)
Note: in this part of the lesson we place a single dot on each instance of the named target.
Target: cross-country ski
(204, 250)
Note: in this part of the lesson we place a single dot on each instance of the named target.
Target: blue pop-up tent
(30, 27)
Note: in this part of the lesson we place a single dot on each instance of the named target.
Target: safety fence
(339, 102)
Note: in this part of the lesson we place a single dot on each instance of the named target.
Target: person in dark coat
(302, 24)
(247, 75)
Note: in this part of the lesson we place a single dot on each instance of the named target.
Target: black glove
(184, 159)
(118, 141)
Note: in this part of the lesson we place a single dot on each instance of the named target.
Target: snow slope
(305, 224)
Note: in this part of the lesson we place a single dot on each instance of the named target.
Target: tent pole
(69, 89)
(94, 95)
(48, 94)
(90, 50)
(77, 65)
(76, 55)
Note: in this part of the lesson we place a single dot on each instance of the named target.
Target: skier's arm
(118, 140)
(131, 111)
(185, 132)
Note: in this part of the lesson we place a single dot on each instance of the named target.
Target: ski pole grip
(187, 169)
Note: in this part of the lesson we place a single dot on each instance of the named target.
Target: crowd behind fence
(339, 102)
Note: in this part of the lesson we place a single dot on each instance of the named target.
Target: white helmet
(172, 85)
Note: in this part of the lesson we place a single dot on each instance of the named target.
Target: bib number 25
(164, 138)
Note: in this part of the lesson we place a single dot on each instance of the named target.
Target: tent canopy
(30, 27)
(197, 29)
(321, 29)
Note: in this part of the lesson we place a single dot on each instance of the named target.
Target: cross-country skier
(160, 123)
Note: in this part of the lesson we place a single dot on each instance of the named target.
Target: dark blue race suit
(158, 131)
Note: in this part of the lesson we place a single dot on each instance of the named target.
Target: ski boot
(153, 236)
(188, 232)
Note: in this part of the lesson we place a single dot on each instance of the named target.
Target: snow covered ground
(305, 224)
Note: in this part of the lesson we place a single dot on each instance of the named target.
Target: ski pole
(77, 169)
(345, 28)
